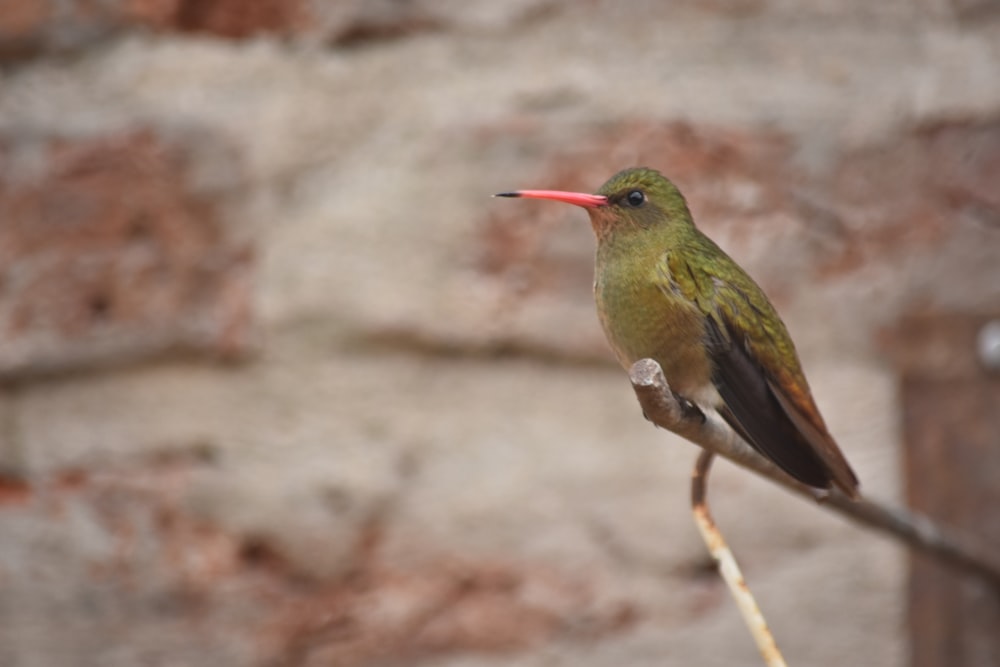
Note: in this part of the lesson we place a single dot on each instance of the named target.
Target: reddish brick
(915, 192)
(19, 18)
(108, 252)
(179, 580)
(32, 27)
(225, 18)
(975, 9)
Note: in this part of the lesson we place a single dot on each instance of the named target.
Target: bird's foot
(821, 495)
(690, 409)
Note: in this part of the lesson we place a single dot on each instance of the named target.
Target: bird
(665, 291)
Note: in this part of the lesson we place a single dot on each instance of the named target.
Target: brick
(118, 547)
(975, 9)
(224, 18)
(29, 28)
(110, 251)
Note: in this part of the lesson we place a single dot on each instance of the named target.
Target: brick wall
(418, 448)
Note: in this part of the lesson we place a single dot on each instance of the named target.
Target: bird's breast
(642, 319)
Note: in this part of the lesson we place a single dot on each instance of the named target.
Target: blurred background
(280, 383)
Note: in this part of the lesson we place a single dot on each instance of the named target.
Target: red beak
(576, 198)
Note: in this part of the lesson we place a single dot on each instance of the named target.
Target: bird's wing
(757, 373)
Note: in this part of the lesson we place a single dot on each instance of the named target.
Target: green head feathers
(639, 197)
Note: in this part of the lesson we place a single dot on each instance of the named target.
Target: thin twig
(710, 432)
(728, 568)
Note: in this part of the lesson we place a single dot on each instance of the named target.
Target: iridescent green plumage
(666, 291)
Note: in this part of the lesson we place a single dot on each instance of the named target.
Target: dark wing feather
(753, 410)
(755, 368)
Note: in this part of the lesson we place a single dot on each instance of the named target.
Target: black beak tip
(507, 194)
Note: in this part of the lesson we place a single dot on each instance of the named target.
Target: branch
(726, 562)
(710, 432)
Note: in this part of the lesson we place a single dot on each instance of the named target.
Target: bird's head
(635, 199)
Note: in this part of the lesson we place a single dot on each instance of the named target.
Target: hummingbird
(666, 291)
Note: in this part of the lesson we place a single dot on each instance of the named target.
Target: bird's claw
(690, 409)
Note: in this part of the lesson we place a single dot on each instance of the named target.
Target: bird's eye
(635, 198)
